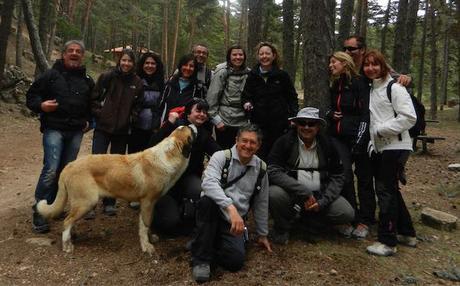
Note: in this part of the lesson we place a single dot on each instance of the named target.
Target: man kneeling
(221, 232)
(306, 176)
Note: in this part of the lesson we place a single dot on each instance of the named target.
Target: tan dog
(143, 177)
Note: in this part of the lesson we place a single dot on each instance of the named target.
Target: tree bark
(5, 30)
(44, 23)
(422, 54)
(86, 14)
(254, 28)
(53, 22)
(165, 35)
(363, 23)
(346, 16)
(434, 67)
(317, 28)
(176, 32)
(400, 37)
(227, 25)
(19, 37)
(72, 5)
(288, 38)
(383, 36)
(445, 66)
(411, 27)
(39, 55)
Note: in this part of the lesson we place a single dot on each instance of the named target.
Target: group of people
(265, 154)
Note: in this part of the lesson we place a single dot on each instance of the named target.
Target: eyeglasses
(304, 123)
(350, 49)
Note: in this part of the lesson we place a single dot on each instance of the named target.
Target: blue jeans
(59, 148)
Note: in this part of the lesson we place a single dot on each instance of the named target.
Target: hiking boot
(201, 272)
(361, 231)
(344, 229)
(134, 205)
(90, 215)
(110, 210)
(39, 223)
(381, 249)
(281, 238)
(406, 240)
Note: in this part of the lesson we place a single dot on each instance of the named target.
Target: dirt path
(107, 249)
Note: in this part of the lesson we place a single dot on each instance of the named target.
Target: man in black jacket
(61, 97)
(306, 177)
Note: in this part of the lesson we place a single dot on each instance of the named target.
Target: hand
(263, 241)
(49, 105)
(337, 115)
(404, 79)
(311, 205)
(248, 106)
(172, 117)
(237, 222)
(220, 126)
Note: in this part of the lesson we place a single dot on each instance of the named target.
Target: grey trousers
(282, 210)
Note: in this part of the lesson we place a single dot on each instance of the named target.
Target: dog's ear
(187, 147)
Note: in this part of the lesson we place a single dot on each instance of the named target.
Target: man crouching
(220, 235)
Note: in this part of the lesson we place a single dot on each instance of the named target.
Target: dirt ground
(107, 250)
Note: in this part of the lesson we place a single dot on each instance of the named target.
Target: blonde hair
(350, 67)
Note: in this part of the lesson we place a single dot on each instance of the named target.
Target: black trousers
(101, 142)
(227, 137)
(365, 210)
(138, 140)
(394, 218)
(213, 243)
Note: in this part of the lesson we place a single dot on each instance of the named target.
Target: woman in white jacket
(389, 125)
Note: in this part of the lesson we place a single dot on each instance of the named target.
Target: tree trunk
(39, 55)
(359, 4)
(254, 28)
(433, 56)
(165, 35)
(383, 36)
(346, 16)
(227, 25)
(5, 30)
(422, 54)
(19, 37)
(363, 23)
(411, 28)
(72, 5)
(44, 23)
(53, 22)
(176, 33)
(242, 32)
(400, 37)
(445, 68)
(86, 14)
(288, 38)
(317, 28)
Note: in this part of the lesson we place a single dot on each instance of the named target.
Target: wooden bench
(425, 139)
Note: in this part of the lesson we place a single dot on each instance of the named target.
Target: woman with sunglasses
(390, 121)
(269, 96)
(174, 212)
(349, 128)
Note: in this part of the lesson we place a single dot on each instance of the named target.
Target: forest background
(420, 38)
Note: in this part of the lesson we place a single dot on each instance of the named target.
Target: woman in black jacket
(182, 87)
(349, 128)
(116, 100)
(150, 70)
(269, 96)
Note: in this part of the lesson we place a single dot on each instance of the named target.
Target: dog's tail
(56, 208)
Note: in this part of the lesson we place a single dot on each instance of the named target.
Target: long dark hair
(229, 53)
(183, 61)
(158, 76)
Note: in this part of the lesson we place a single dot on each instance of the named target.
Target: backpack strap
(390, 84)
(258, 186)
(224, 175)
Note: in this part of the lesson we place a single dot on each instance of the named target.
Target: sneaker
(110, 210)
(361, 231)
(201, 272)
(281, 238)
(134, 205)
(406, 240)
(90, 215)
(344, 229)
(39, 223)
(381, 249)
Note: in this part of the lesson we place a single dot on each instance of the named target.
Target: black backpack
(420, 124)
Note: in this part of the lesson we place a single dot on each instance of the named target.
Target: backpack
(224, 176)
(420, 124)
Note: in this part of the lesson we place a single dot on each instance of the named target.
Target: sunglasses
(350, 49)
(304, 123)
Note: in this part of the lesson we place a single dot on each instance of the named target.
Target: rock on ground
(439, 219)
(454, 167)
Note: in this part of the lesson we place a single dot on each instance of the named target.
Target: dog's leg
(75, 214)
(145, 219)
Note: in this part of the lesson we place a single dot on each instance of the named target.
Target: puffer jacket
(149, 116)
(72, 91)
(224, 96)
(390, 121)
(273, 97)
(116, 101)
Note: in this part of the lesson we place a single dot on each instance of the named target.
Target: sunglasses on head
(304, 123)
(350, 49)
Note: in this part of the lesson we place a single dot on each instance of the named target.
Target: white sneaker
(361, 231)
(344, 229)
(406, 240)
(381, 249)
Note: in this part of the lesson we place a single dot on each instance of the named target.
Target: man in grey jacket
(220, 235)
